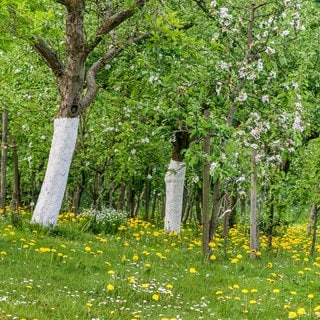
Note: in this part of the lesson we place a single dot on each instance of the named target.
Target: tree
(76, 79)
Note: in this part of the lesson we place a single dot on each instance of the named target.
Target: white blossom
(273, 74)
(297, 124)
(242, 97)
(145, 140)
(225, 17)
(270, 50)
(213, 3)
(265, 99)
(285, 33)
(260, 65)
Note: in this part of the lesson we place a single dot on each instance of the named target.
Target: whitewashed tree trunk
(174, 180)
(52, 191)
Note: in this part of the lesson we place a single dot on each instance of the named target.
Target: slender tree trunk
(16, 197)
(314, 233)
(206, 195)
(311, 217)
(253, 208)
(4, 146)
(52, 191)
(154, 206)
(215, 209)
(270, 222)
(121, 197)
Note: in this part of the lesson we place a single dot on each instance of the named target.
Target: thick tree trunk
(174, 180)
(4, 146)
(55, 181)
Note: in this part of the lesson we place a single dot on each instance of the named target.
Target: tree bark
(206, 195)
(174, 180)
(16, 197)
(4, 147)
(55, 181)
(253, 208)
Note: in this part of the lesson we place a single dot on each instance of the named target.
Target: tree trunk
(121, 197)
(311, 217)
(315, 226)
(206, 195)
(52, 191)
(253, 208)
(270, 222)
(16, 197)
(174, 180)
(215, 209)
(4, 146)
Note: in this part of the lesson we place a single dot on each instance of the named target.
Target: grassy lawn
(142, 273)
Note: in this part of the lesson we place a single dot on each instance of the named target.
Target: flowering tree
(76, 76)
(255, 70)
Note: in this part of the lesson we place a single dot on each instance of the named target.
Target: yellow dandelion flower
(252, 301)
(301, 311)
(213, 257)
(310, 296)
(292, 315)
(110, 287)
(155, 297)
(275, 290)
(245, 291)
(192, 270)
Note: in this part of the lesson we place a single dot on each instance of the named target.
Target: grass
(142, 273)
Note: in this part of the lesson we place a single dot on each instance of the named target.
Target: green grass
(142, 273)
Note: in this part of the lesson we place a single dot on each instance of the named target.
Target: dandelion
(192, 270)
(245, 291)
(275, 290)
(252, 301)
(110, 287)
(301, 311)
(87, 249)
(111, 272)
(292, 315)
(155, 297)
(310, 296)
(135, 257)
(213, 257)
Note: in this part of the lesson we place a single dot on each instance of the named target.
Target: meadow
(139, 272)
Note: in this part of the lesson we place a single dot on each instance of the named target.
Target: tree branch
(92, 86)
(111, 22)
(49, 56)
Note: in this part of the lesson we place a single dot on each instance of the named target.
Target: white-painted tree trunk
(174, 180)
(53, 187)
